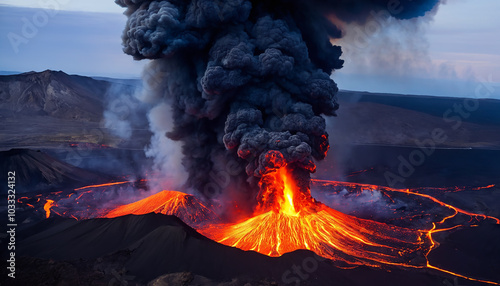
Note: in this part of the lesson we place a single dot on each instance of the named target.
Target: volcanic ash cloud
(247, 81)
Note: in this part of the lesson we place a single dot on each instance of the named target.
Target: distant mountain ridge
(53, 93)
(363, 118)
(486, 112)
(46, 109)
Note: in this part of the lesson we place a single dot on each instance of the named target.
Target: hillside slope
(53, 93)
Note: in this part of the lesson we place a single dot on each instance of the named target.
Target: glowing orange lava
(103, 185)
(435, 226)
(292, 219)
(288, 218)
(47, 207)
(186, 207)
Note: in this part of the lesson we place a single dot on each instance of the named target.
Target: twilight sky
(448, 56)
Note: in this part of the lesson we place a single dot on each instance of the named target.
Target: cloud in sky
(448, 56)
(460, 45)
(75, 42)
(465, 34)
(106, 6)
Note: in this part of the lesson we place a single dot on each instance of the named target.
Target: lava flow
(184, 206)
(47, 207)
(291, 219)
(103, 185)
(288, 218)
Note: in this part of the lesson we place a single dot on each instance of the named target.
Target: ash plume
(247, 81)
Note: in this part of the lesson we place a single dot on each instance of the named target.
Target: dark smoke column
(247, 80)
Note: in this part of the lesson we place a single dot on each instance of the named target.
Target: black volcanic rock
(476, 249)
(53, 93)
(189, 279)
(149, 246)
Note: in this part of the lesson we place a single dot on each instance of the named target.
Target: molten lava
(47, 207)
(102, 185)
(291, 219)
(184, 206)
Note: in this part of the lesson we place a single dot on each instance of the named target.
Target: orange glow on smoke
(47, 207)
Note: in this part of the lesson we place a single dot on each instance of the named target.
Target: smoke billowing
(247, 81)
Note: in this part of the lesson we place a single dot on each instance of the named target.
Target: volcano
(293, 220)
(296, 221)
(184, 206)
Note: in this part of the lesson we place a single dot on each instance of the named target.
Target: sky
(449, 56)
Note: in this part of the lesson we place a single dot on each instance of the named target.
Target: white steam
(168, 171)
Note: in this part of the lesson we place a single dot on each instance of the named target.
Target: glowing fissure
(434, 229)
(103, 185)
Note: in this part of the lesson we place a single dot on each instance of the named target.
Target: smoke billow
(248, 81)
